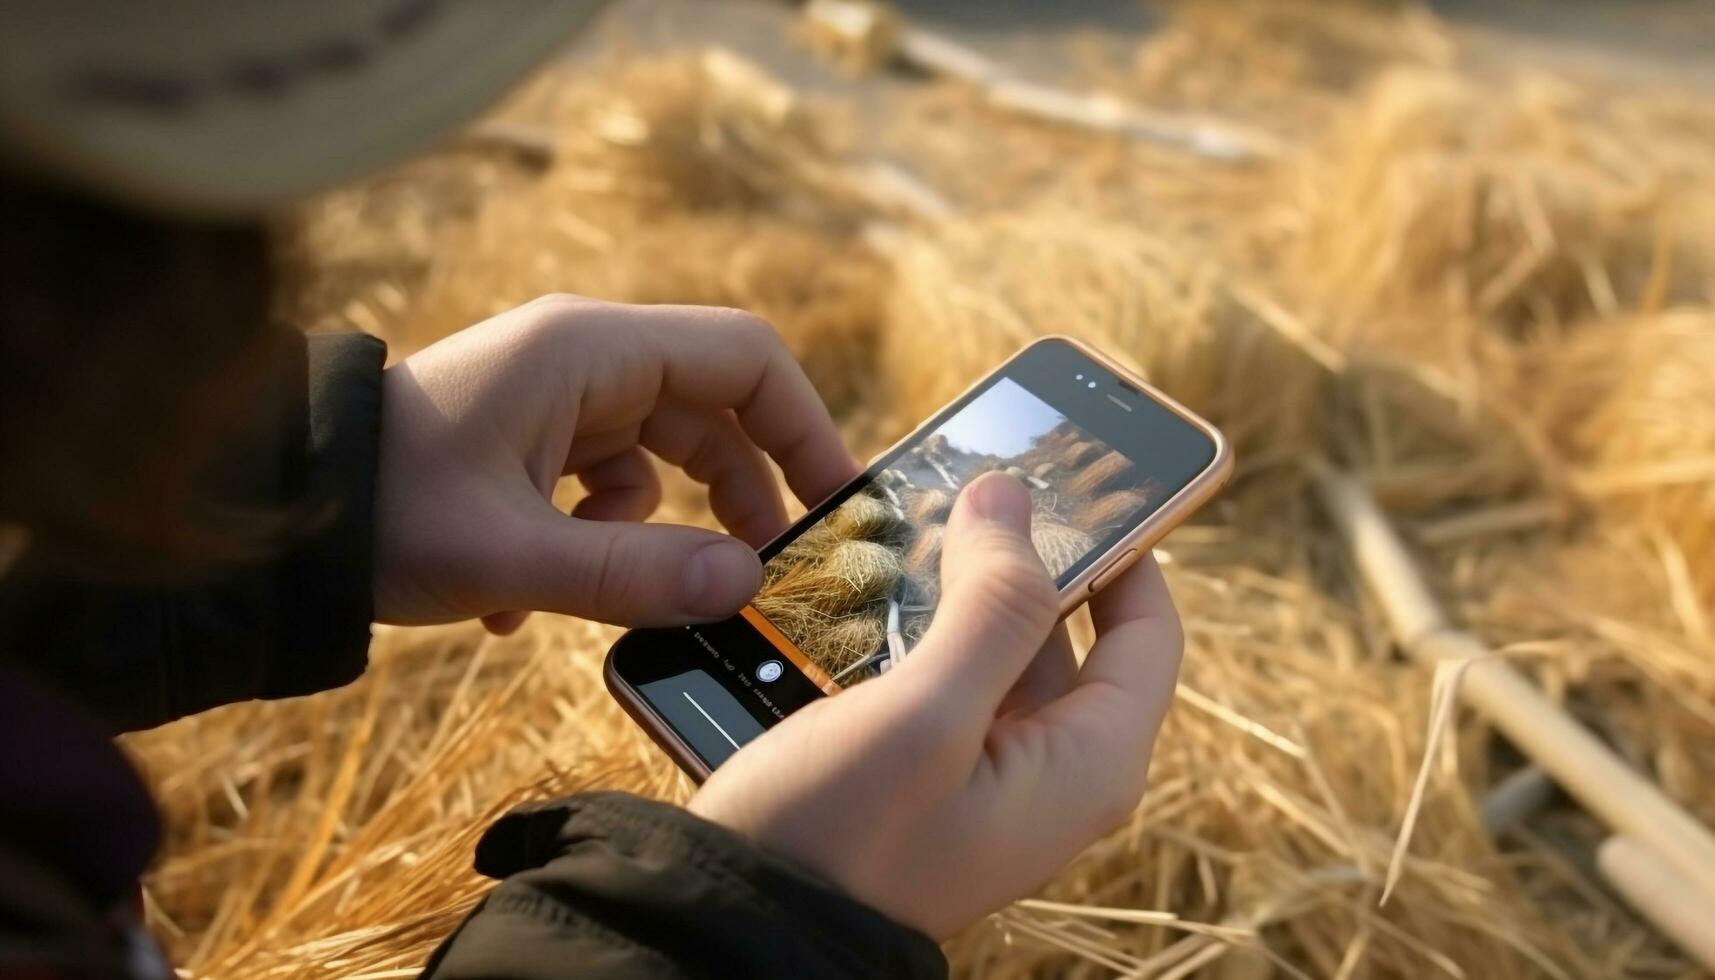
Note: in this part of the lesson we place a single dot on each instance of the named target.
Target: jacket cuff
(329, 579)
(692, 891)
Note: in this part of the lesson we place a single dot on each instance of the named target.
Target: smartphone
(1111, 465)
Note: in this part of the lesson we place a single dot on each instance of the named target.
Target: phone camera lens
(1077, 377)
(769, 671)
(1092, 384)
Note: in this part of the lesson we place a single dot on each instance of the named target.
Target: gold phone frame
(1098, 573)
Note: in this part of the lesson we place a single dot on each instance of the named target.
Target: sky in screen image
(1005, 420)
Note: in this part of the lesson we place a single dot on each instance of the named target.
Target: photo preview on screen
(856, 591)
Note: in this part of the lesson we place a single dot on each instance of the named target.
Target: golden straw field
(1485, 288)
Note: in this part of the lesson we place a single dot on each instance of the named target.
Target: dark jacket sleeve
(295, 623)
(607, 885)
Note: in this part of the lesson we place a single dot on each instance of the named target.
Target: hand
(478, 428)
(970, 773)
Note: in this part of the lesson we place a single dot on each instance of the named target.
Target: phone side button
(1115, 567)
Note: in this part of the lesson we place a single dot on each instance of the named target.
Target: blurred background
(1461, 251)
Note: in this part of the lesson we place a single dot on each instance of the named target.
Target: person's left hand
(479, 427)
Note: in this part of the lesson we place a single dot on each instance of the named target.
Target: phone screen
(849, 591)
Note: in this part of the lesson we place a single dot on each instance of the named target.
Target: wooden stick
(1654, 889)
(872, 32)
(1681, 910)
(1289, 326)
(1105, 113)
(889, 186)
(1609, 788)
(535, 145)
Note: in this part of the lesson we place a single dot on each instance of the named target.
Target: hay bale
(1423, 445)
(865, 518)
(849, 575)
(929, 507)
(1110, 471)
(1284, 60)
(846, 641)
(865, 570)
(1110, 510)
(1628, 406)
(1076, 453)
(1440, 200)
(692, 179)
(923, 562)
(816, 541)
(704, 130)
(973, 292)
(1059, 544)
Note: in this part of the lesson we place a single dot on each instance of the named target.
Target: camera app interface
(854, 592)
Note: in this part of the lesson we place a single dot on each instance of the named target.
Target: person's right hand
(976, 768)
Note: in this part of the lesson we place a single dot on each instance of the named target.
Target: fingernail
(1001, 498)
(718, 578)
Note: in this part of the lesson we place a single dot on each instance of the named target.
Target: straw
(1487, 298)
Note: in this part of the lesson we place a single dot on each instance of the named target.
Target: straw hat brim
(236, 106)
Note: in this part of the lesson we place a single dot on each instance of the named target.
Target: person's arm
(291, 623)
(445, 512)
(608, 885)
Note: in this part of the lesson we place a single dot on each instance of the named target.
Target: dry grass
(923, 558)
(975, 287)
(929, 506)
(1626, 408)
(1109, 510)
(866, 517)
(1491, 297)
(1531, 212)
(1283, 60)
(826, 590)
(1110, 472)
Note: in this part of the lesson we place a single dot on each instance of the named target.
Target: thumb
(998, 603)
(630, 574)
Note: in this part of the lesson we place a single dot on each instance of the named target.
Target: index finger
(1127, 681)
(1139, 593)
(1138, 635)
(723, 358)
